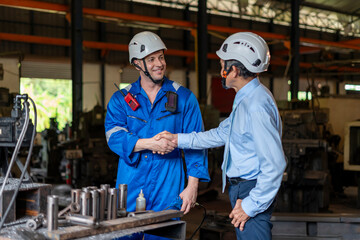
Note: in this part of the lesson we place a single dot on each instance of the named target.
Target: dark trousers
(258, 227)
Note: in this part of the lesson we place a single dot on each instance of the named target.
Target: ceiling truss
(312, 16)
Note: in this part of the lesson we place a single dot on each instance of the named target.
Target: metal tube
(52, 212)
(102, 195)
(64, 211)
(122, 199)
(106, 188)
(122, 196)
(35, 222)
(112, 204)
(81, 220)
(95, 200)
(75, 195)
(85, 203)
(75, 207)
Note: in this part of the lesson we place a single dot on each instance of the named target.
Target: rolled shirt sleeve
(272, 163)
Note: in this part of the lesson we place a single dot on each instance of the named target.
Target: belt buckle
(235, 180)
(232, 181)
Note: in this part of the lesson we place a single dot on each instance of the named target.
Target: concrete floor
(221, 205)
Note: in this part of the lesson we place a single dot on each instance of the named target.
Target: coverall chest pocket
(169, 120)
(135, 123)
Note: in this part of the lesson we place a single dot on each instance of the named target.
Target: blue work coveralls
(161, 177)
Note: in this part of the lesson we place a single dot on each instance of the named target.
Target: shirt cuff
(201, 173)
(183, 140)
(249, 207)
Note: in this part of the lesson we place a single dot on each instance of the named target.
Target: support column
(202, 49)
(295, 47)
(76, 60)
(102, 38)
(186, 46)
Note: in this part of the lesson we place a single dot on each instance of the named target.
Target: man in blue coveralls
(130, 132)
(254, 160)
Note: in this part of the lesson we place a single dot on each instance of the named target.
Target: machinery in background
(80, 160)
(10, 131)
(306, 183)
(352, 146)
(99, 163)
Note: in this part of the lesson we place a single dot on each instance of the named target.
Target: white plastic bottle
(140, 202)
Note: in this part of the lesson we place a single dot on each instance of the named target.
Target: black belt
(235, 180)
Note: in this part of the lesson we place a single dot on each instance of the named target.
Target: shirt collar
(246, 90)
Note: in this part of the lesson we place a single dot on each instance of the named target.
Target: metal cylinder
(75, 195)
(112, 204)
(75, 207)
(122, 199)
(122, 196)
(95, 200)
(52, 212)
(85, 203)
(81, 220)
(35, 222)
(102, 195)
(106, 188)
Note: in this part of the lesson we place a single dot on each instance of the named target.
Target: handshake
(163, 143)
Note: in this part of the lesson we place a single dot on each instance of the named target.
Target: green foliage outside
(53, 99)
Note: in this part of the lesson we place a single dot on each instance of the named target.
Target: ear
(138, 63)
(235, 71)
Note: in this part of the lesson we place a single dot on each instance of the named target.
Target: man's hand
(162, 146)
(239, 216)
(165, 135)
(189, 194)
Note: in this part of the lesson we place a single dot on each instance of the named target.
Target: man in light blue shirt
(254, 160)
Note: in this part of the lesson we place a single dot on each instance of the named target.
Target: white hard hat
(143, 44)
(248, 48)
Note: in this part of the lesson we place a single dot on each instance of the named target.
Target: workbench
(156, 223)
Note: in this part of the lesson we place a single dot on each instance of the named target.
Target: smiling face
(155, 65)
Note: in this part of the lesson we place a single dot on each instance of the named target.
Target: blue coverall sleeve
(120, 140)
(196, 160)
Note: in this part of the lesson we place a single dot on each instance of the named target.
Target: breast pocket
(242, 137)
(135, 123)
(169, 121)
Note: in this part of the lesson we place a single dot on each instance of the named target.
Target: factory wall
(114, 73)
(11, 74)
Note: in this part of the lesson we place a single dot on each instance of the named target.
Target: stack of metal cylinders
(93, 202)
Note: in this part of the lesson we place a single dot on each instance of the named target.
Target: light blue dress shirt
(255, 149)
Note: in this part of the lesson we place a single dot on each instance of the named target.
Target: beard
(157, 81)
